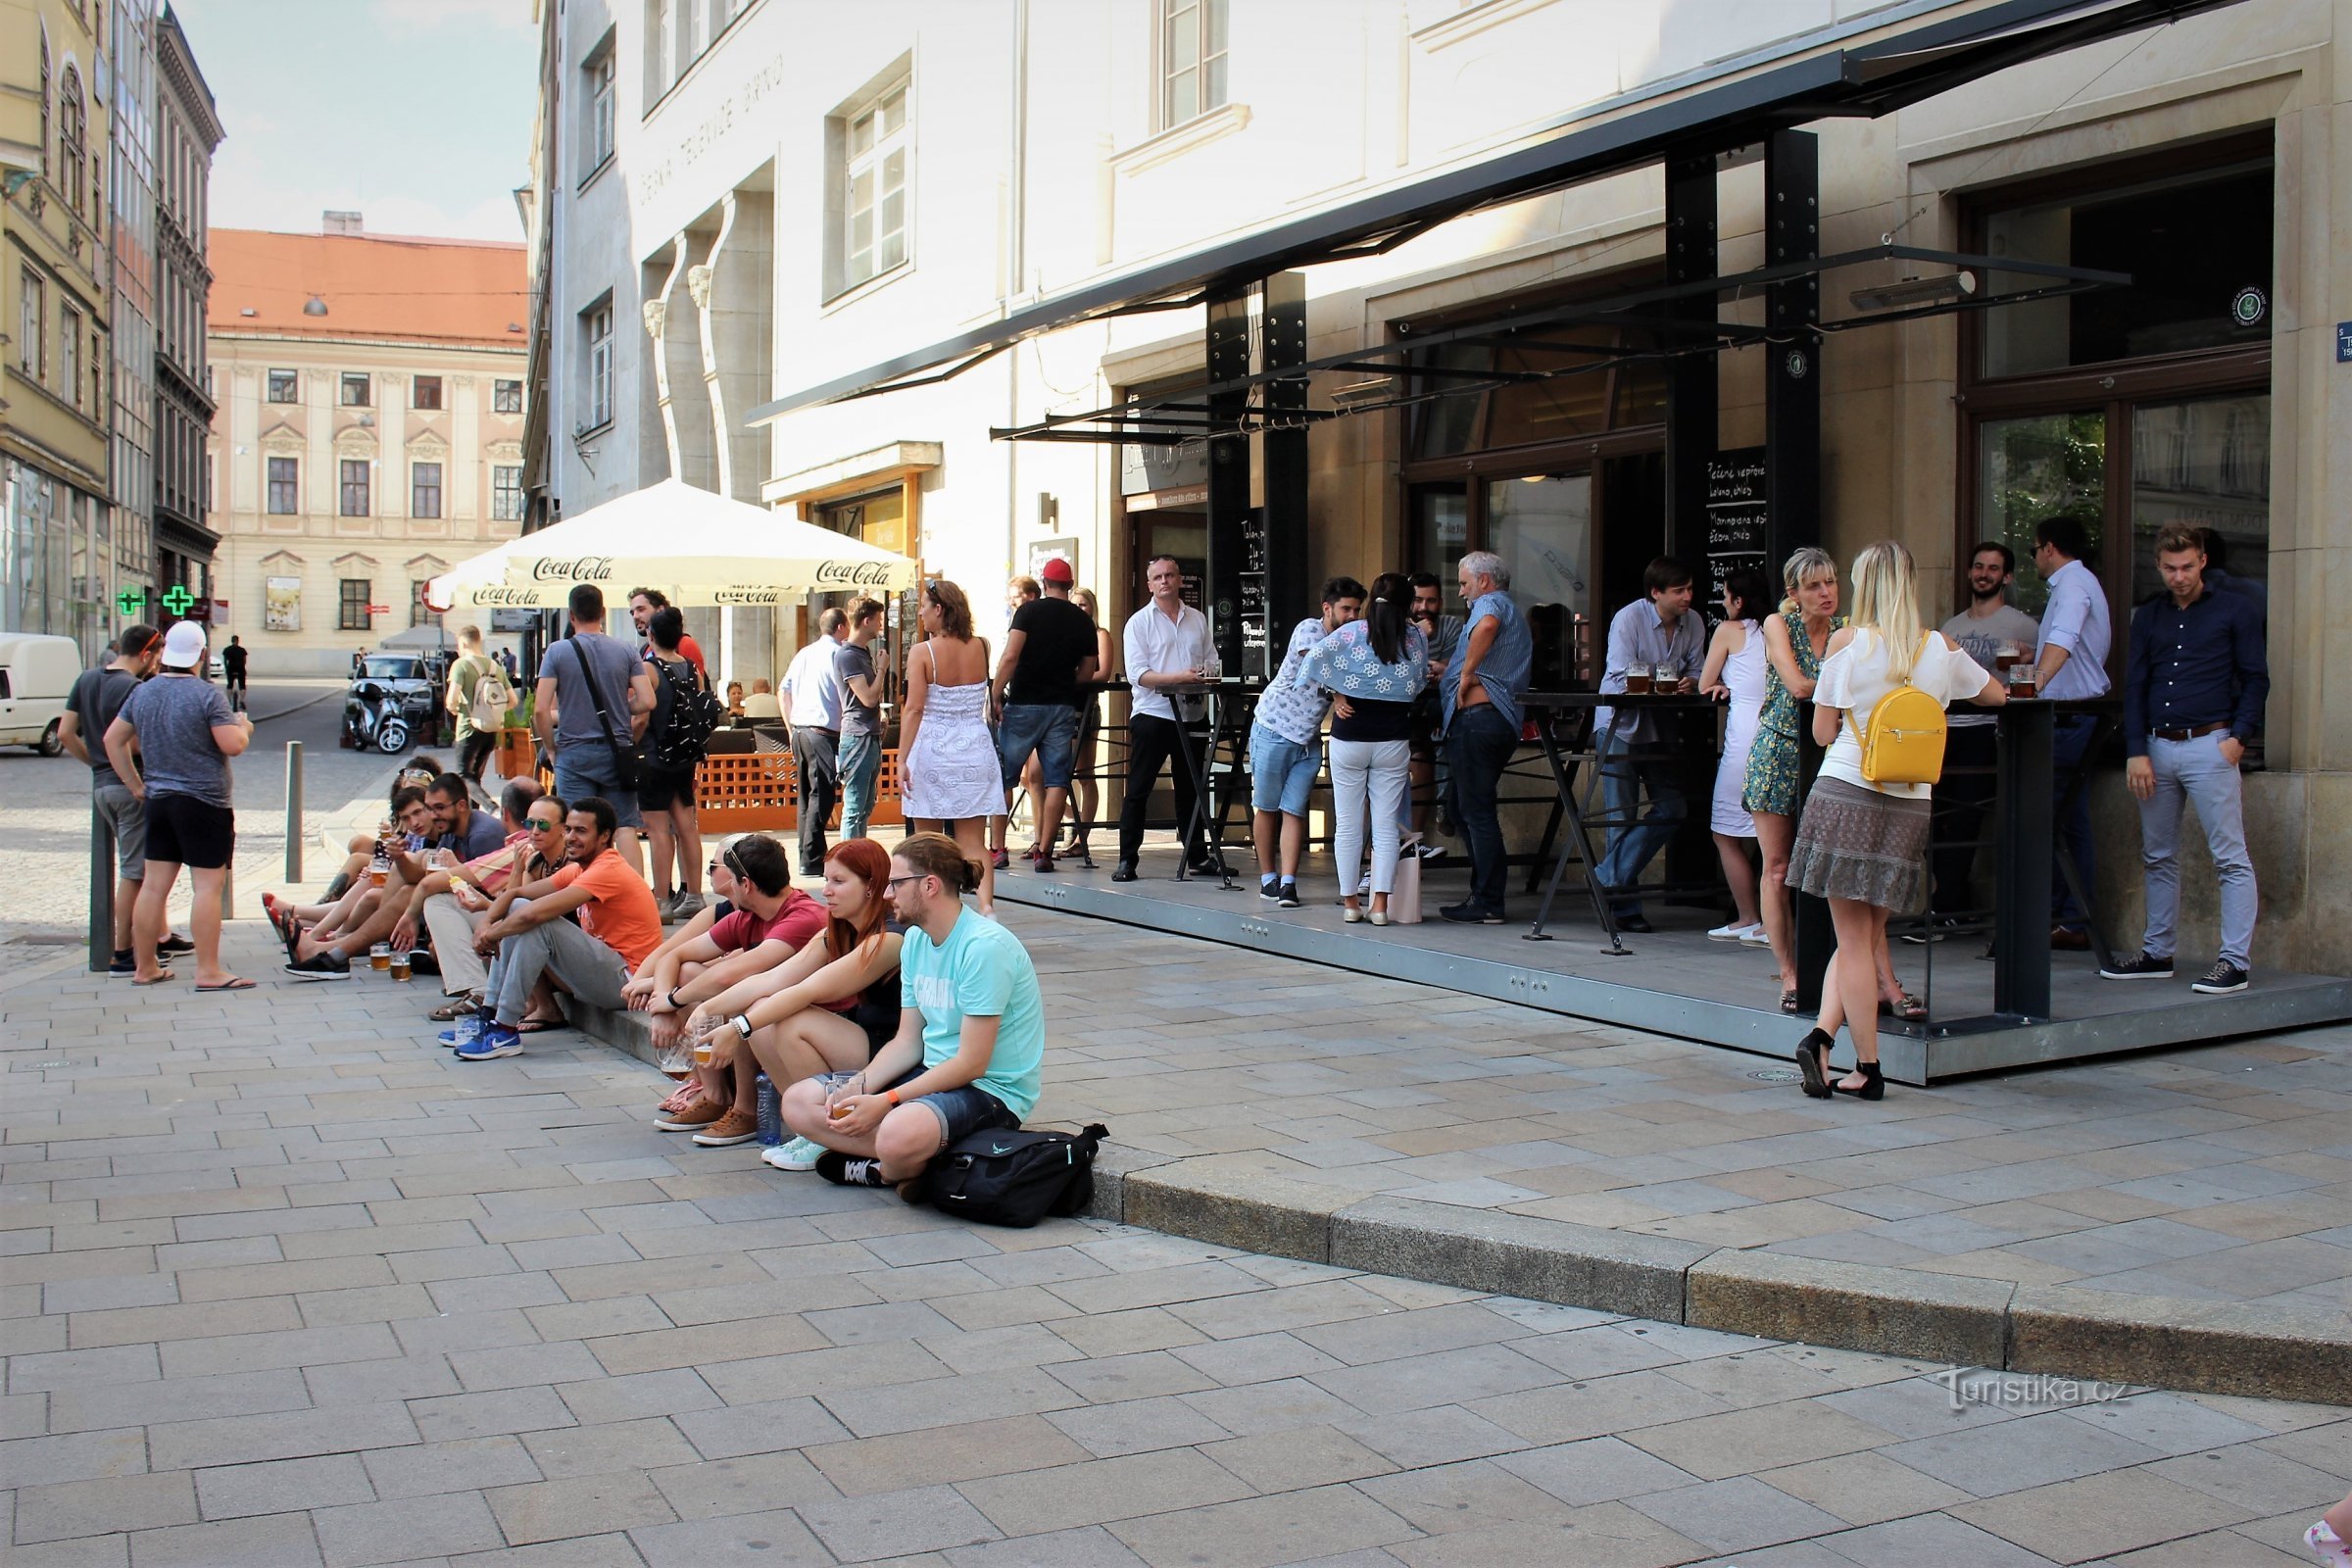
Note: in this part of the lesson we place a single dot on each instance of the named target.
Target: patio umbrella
(696, 547)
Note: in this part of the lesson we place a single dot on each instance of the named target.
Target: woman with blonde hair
(949, 769)
(1863, 845)
(1794, 640)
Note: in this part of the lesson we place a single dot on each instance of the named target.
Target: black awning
(1863, 82)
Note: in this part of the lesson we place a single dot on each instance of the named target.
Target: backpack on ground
(1902, 740)
(695, 710)
(1014, 1178)
(493, 698)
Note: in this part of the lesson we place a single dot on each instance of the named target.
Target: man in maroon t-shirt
(771, 922)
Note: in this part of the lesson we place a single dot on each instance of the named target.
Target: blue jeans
(860, 764)
(2193, 772)
(2072, 824)
(1047, 730)
(1478, 743)
(1281, 772)
(585, 769)
(1634, 843)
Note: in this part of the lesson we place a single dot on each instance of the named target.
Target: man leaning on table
(1659, 633)
(2193, 699)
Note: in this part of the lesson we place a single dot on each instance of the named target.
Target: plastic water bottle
(771, 1113)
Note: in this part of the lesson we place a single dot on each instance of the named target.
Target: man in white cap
(170, 746)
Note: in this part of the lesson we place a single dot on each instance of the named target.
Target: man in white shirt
(813, 691)
(1989, 625)
(1167, 645)
(2071, 662)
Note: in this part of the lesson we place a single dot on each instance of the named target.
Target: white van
(36, 674)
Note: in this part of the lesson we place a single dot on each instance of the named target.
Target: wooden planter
(518, 753)
(752, 792)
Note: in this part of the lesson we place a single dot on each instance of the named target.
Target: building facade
(58, 568)
(747, 200)
(187, 128)
(369, 434)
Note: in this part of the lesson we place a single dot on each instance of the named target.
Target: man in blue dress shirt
(1485, 678)
(2071, 662)
(1660, 633)
(2193, 699)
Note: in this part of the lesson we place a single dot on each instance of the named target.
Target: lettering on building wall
(713, 127)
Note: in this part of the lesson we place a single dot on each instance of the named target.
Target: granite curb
(2158, 1340)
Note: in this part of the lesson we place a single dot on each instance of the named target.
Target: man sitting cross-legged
(364, 915)
(772, 920)
(971, 1038)
(619, 924)
(450, 903)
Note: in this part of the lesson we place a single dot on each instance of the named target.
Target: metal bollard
(294, 812)
(102, 891)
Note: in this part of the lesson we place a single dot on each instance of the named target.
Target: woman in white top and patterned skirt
(1863, 846)
(1736, 674)
(948, 769)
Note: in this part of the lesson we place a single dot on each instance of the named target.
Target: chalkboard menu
(1258, 663)
(1737, 488)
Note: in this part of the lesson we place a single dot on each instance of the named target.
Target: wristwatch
(743, 1025)
(671, 997)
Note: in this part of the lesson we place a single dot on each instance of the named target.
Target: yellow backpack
(1902, 741)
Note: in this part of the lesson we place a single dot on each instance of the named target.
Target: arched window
(71, 120)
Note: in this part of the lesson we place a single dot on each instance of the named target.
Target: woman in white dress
(947, 770)
(1734, 672)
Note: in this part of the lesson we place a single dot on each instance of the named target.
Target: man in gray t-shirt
(98, 695)
(565, 716)
(1989, 621)
(859, 759)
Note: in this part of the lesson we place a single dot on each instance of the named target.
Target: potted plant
(518, 749)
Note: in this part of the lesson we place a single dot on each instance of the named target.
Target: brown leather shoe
(702, 1114)
(2064, 941)
(735, 1127)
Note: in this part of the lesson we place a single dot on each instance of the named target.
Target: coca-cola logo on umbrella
(577, 569)
(854, 573)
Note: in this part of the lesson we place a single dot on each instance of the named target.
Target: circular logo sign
(1796, 365)
(2248, 306)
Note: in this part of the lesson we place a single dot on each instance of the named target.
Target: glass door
(2204, 462)
(2036, 468)
(1541, 526)
(1440, 525)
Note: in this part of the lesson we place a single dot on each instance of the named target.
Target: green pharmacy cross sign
(177, 600)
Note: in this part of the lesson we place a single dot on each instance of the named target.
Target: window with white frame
(32, 328)
(595, 323)
(599, 70)
(506, 493)
(1191, 58)
(874, 182)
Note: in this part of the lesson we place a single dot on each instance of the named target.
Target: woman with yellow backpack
(1878, 708)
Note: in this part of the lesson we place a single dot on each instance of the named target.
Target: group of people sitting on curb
(891, 1019)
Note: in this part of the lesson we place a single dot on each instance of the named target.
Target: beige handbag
(1404, 897)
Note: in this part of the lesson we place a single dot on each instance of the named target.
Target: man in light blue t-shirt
(971, 1040)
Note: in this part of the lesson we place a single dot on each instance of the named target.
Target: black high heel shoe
(1873, 1087)
(1812, 1056)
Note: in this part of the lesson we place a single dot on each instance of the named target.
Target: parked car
(393, 701)
(36, 673)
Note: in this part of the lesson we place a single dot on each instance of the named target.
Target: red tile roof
(374, 286)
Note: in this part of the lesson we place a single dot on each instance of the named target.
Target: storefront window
(2205, 462)
(2036, 468)
(1441, 534)
(2197, 247)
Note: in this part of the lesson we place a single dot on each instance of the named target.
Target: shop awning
(696, 547)
(1865, 81)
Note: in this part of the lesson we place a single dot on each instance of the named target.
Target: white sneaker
(1731, 933)
(794, 1153)
(1756, 936)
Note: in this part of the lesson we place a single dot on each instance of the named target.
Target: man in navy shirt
(2193, 699)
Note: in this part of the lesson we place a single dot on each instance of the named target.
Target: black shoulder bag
(1014, 1178)
(628, 760)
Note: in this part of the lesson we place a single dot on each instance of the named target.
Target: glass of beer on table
(1637, 680)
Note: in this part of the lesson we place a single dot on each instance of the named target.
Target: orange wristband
(891, 1094)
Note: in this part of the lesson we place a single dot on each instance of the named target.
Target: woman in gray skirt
(1863, 846)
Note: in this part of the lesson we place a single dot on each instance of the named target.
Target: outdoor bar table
(1549, 709)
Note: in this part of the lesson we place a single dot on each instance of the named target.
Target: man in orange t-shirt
(528, 941)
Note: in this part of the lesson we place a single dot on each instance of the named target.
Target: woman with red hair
(829, 1006)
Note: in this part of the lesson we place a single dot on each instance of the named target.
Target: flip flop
(233, 983)
(157, 980)
(538, 1026)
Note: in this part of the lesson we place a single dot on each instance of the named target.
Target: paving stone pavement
(281, 1283)
(2219, 1173)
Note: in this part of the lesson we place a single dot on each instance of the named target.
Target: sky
(415, 113)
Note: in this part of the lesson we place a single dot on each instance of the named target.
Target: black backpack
(695, 710)
(1014, 1178)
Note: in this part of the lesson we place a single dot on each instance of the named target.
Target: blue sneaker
(465, 1032)
(496, 1041)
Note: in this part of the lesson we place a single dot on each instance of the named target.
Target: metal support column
(1228, 356)
(1793, 369)
(2024, 848)
(102, 893)
(1691, 397)
(1287, 594)
(1816, 935)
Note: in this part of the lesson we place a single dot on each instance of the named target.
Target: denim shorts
(1281, 772)
(961, 1112)
(581, 773)
(1049, 729)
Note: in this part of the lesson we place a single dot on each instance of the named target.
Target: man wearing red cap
(1049, 653)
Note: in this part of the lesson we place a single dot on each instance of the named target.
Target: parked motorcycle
(392, 701)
